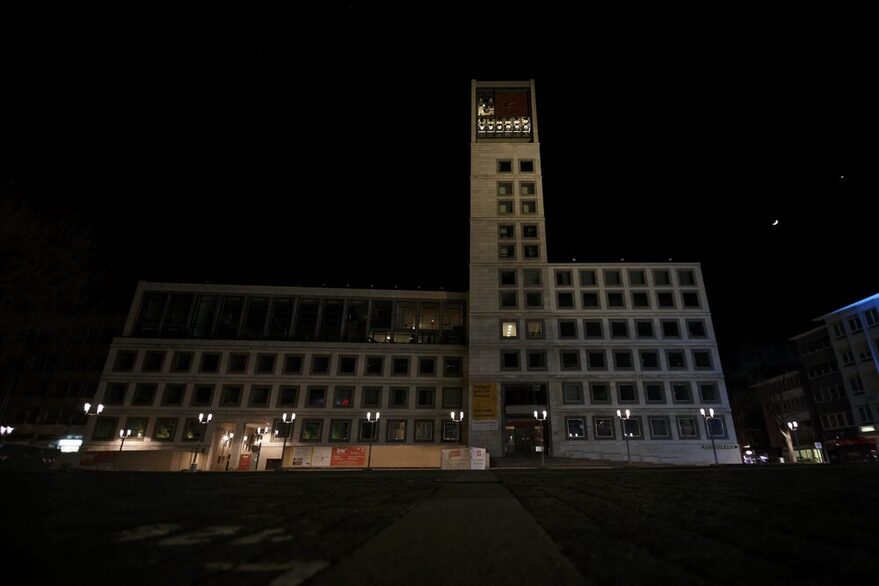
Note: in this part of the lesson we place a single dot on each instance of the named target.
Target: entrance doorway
(522, 437)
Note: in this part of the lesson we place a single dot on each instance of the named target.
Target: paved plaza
(729, 525)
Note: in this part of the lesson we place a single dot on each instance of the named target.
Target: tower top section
(503, 111)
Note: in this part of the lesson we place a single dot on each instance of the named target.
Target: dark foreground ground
(729, 525)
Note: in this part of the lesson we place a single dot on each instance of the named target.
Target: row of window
(268, 363)
(574, 392)
(526, 188)
(508, 251)
(854, 323)
(571, 359)
(527, 207)
(848, 357)
(185, 315)
(509, 299)
(595, 329)
(588, 278)
(286, 396)
(310, 430)
(604, 428)
(506, 166)
(508, 232)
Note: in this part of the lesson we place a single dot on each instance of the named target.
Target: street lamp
(625, 434)
(123, 435)
(540, 419)
(708, 432)
(5, 430)
(227, 439)
(289, 424)
(794, 427)
(87, 409)
(374, 422)
(193, 466)
(457, 419)
(257, 442)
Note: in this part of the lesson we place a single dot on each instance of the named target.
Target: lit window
(509, 329)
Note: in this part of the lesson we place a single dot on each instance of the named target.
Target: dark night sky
(241, 150)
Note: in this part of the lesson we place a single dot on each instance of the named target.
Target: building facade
(841, 364)
(616, 360)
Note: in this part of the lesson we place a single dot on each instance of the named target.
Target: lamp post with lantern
(289, 425)
(204, 420)
(540, 418)
(374, 422)
(708, 431)
(626, 435)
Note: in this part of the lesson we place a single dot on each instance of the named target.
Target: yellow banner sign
(484, 400)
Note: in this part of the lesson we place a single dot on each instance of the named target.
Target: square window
(600, 393)
(340, 430)
(424, 430)
(347, 365)
(593, 329)
(622, 359)
(691, 299)
(686, 277)
(687, 428)
(311, 430)
(181, 362)
(536, 360)
(371, 397)
(124, 361)
(654, 392)
(587, 278)
(708, 393)
(317, 398)
(530, 251)
(506, 251)
(509, 329)
(659, 428)
(265, 364)
(526, 166)
(368, 430)
(596, 360)
(453, 366)
(637, 277)
(396, 429)
(529, 231)
(649, 359)
(603, 427)
(716, 427)
(533, 299)
(640, 299)
(400, 366)
(702, 359)
(173, 394)
(572, 393)
(114, 393)
(375, 365)
(320, 364)
(665, 299)
(644, 328)
(675, 359)
(259, 396)
(567, 328)
(661, 278)
(671, 329)
(288, 397)
(612, 278)
(425, 397)
(615, 299)
(527, 188)
(532, 277)
(507, 278)
(576, 428)
(563, 278)
(696, 328)
(452, 397)
(231, 396)
(427, 366)
(627, 393)
(632, 427)
(680, 393)
(534, 328)
(505, 188)
(399, 397)
(506, 231)
(590, 301)
(565, 300)
(619, 329)
(451, 431)
(210, 362)
(237, 363)
(508, 299)
(504, 166)
(165, 429)
(144, 395)
(292, 364)
(505, 206)
(202, 395)
(193, 430)
(343, 397)
(509, 360)
(152, 361)
(570, 359)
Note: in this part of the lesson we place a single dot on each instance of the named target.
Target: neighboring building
(49, 372)
(579, 341)
(842, 368)
(786, 409)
